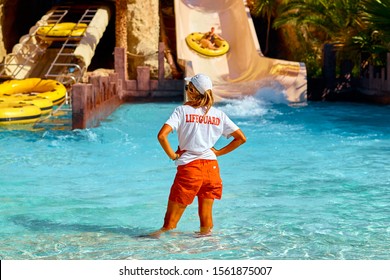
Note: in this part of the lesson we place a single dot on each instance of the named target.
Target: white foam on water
(247, 107)
(271, 95)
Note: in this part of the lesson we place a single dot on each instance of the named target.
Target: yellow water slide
(243, 70)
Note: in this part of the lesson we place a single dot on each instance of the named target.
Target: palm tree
(265, 9)
(376, 14)
(331, 21)
(318, 23)
(373, 41)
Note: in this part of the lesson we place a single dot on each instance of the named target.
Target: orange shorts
(198, 178)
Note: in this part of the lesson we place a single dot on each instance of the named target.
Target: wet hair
(205, 100)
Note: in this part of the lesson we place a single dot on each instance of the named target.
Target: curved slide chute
(93, 34)
(29, 53)
(243, 70)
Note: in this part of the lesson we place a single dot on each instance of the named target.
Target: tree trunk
(121, 32)
(121, 24)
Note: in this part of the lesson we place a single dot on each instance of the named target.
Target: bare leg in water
(172, 217)
(175, 211)
(205, 210)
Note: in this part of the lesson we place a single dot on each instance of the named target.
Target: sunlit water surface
(312, 182)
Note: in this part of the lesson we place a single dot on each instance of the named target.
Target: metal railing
(66, 67)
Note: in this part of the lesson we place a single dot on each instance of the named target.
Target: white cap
(201, 82)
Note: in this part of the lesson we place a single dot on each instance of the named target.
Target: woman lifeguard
(199, 125)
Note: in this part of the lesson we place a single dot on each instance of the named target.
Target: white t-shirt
(197, 132)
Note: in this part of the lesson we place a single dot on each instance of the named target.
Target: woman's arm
(239, 139)
(163, 139)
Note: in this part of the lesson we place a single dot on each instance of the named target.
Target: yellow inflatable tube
(45, 88)
(45, 104)
(193, 41)
(18, 114)
(62, 31)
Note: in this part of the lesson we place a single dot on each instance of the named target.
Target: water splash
(248, 106)
(271, 95)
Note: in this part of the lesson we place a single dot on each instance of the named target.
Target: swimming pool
(312, 182)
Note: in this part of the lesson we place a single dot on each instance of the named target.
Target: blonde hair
(201, 100)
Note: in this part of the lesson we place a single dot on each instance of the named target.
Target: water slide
(66, 62)
(243, 70)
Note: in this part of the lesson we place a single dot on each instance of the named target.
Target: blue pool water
(312, 182)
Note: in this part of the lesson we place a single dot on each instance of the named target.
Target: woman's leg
(207, 44)
(174, 212)
(205, 208)
(172, 216)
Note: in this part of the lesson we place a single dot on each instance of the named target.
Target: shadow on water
(42, 225)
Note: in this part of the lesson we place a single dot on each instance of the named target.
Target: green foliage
(265, 9)
(309, 54)
(331, 21)
(376, 14)
(357, 28)
(313, 67)
(373, 47)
